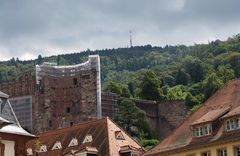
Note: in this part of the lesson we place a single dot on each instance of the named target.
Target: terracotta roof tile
(211, 116)
(226, 97)
(103, 138)
(233, 112)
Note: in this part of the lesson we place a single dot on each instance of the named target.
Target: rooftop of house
(102, 136)
(8, 118)
(224, 103)
(3, 95)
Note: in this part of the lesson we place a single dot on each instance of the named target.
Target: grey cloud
(57, 26)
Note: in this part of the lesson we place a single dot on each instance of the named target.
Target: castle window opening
(50, 123)
(68, 110)
(75, 81)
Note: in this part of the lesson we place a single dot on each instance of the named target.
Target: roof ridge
(59, 130)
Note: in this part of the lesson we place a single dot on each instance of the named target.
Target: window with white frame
(205, 154)
(222, 152)
(202, 130)
(237, 150)
(232, 124)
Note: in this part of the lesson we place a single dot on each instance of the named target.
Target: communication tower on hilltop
(130, 35)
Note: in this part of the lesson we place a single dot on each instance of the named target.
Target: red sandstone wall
(164, 116)
(23, 86)
(63, 101)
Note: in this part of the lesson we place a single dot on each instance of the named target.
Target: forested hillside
(192, 73)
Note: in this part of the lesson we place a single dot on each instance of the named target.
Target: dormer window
(202, 130)
(43, 148)
(74, 142)
(232, 124)
(128, 151)
(204, 125)
(87, 139)
(232, 119)
(87, 151)
(119, 135)
(57, 146)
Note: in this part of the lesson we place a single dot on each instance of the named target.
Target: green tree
(149, 143)
(119, 89)
(150, 87)
(131, 88)
(193, 66)
(168, 80)
(211, 84)
(40, 59)
(225, 72)
(114, 87)
(182, 77)
(234, 60)
(133, 120)
(177, 92)
(191, 100)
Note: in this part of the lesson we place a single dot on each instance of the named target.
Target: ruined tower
(58, 96)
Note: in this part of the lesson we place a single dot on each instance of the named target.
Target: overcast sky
(49, 27)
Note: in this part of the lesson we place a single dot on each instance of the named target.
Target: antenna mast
(130, 33)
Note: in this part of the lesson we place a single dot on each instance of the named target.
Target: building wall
(16, 144)
(9, 147)
(213, 149)
(24, 85)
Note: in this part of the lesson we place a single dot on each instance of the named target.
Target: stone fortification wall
(163, 116)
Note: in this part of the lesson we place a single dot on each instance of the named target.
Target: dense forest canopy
(192, 73)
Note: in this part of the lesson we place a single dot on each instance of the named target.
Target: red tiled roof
(181, 138)
(103, 138)
(233, 112)
(211, 116)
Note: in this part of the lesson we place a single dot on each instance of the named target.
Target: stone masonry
(163, 116)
